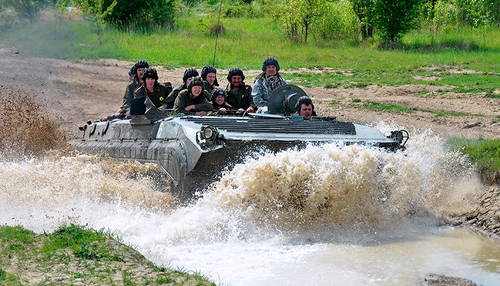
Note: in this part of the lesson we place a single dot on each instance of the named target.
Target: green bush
(365, 10)
(132, 14)
(476, 13)
(298, 16)
(338, 21)
(395, 17)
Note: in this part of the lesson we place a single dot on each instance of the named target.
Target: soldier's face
(306, 111)
(150, 82)
(211, 78)
(196, 90)
(219, 100)
(189, 80)
(236, 80)
(271, 70)
(140, 72)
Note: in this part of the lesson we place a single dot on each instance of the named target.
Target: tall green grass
(245, 43)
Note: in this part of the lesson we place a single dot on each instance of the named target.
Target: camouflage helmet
(270, 61)
(150, 73)
(196, 81)
(218, 92)
(190, 72)
(137, 65)
(303, 100)
(206, 70)
(233, 72)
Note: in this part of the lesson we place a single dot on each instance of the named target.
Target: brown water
(326, 215)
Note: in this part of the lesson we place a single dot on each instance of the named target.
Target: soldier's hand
(240, 111)
(222, 110)
(189, 107)
(250, 109)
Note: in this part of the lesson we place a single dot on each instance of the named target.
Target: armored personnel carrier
(193, 149)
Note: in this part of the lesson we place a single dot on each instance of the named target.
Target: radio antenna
(218, 29)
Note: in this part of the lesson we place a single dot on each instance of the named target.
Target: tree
(298, 16)
(395, 17)
(28, 9)
(364, 9)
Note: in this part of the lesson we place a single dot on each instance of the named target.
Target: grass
(486, 153)
(75, 255)
(245, 44)
(395, 108)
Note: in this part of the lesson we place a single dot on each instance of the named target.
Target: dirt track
(81, 90)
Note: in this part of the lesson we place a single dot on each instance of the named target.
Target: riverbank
(74, 255)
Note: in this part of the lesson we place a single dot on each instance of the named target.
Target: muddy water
(325, 215)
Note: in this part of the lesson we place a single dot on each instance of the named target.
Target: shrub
(134, 14)
(476, 12)
(338, 21)
(365, 11)
(297, 17)
(395, 17)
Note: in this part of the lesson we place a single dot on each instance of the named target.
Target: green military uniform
(129, 95)
(209, 88)
(158, 96)
(172, 96)
(241, 98)
(185, 98)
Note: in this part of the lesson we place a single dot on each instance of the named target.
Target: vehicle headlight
(207, 133)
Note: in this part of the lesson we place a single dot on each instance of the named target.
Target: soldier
(193, 100)
(239, 95)
(266, 82)
(305, 107)
(188, 75)
(209, 76)
(151, 89)
(135, 74)
(219, 101)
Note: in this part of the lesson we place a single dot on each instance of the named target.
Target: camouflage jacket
(129, 95)
(241, 98)
(209, 88)
(185, 99)
(261, 92)
(169, 102)
(158, 96)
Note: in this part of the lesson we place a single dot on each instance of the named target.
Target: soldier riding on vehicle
(239, 95)
(193, 100)
(186, 78)
(135, 73)
(305, 107)
(209, 76)
(266, 82)
(151, 88)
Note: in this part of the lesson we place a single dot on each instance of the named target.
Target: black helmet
(270, 61)
(151, 73)
(196, 81)
(303, 100)
(191, 72)
(218, 92)
(233, 72)
(137, 65)
(206, 70)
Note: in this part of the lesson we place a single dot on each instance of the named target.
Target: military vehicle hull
(193, 156)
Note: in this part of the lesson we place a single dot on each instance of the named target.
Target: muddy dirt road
(78, 91)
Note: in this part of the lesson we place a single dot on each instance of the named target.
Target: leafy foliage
(134, 14)
(395, 17)
(298, 16)
(365, 10)
(338, 21)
